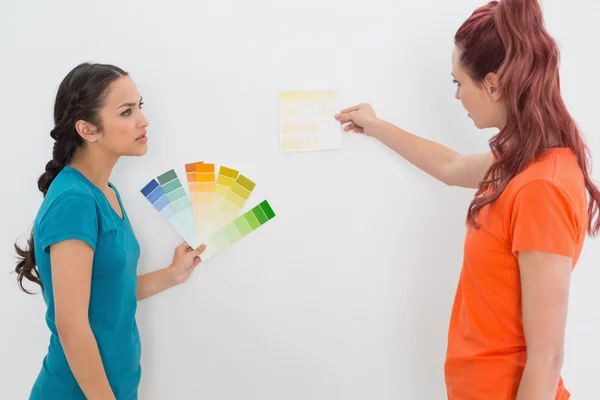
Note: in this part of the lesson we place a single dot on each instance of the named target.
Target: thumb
(199, 250)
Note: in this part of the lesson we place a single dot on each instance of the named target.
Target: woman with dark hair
(83, 251)
(534, 205)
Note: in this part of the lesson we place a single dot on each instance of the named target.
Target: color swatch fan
(210, 212)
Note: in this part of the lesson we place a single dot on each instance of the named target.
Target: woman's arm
(154, 282)
(545, 280)
(437, 160)
(184, 262)
(71, 279)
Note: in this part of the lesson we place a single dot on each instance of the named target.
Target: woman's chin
(475, 122)
(140, 149)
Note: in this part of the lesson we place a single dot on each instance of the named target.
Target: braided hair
(80, 96)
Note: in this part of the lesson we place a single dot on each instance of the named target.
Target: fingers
(349, 109)
(195, 262)
(184, 246)
(345, 117)
(350, 127)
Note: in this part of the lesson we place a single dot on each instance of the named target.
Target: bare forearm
(431, 157)
(539, 381)
(81, 350)
(154, 282)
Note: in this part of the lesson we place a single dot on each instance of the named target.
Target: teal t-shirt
(74, 208)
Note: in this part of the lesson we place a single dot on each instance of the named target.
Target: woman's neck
(94, 165)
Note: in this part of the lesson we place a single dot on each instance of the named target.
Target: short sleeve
(71, 216)
(543, 219)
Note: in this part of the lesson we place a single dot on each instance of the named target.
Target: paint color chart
(234, 200)
(216, 216)
(210, 211)
(306, 121)
(237, 229)
(169, 198)
(201, 184)
(231, 192)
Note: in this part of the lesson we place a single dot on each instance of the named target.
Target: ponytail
(62, 153)
(26, 266)
(508, 37)
(530, 77)
(80, 97)
(64, 149)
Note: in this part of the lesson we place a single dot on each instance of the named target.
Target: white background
(346, 294)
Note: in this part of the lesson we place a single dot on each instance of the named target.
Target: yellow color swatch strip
(235, 200)
(205, 186)
(215, 217)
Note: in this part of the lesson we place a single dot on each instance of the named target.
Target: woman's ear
(87, 131)
(491, 86)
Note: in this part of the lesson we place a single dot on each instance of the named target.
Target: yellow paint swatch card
(306, 121)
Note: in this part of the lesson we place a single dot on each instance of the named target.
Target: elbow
(68, 328)
(551, 360)
(557, 361)
(443, 178)
(448, 180)
(448, 177)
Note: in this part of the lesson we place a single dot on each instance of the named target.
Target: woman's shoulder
(554, 184)
(67, 191)
(557, 168)
(70, 184)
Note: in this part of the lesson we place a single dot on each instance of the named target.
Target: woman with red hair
(535, 203)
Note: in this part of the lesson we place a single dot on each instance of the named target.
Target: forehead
(457, 69)
(123, 90)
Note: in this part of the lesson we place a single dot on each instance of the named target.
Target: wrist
(170, 276)
(375, 128)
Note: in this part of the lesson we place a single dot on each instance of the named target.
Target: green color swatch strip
(240, 227)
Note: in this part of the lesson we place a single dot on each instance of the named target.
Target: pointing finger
(345, 117)
(347, 110)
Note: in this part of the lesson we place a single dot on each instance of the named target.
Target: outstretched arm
(444, 164)
(435, 159)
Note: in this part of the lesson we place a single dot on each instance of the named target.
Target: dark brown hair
(80, 96)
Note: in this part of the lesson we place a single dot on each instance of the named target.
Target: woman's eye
(455, 82)
(126, 112)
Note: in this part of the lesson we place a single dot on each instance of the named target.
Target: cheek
(471, 102)
(122, 127)
(465, 97)
(120, 132)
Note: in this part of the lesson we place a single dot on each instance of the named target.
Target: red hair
(508, 38)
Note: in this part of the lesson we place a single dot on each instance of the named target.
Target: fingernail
(337, 116)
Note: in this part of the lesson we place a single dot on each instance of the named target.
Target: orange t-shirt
(544, 208)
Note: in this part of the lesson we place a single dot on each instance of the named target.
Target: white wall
(574, 24)
(346, 294)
